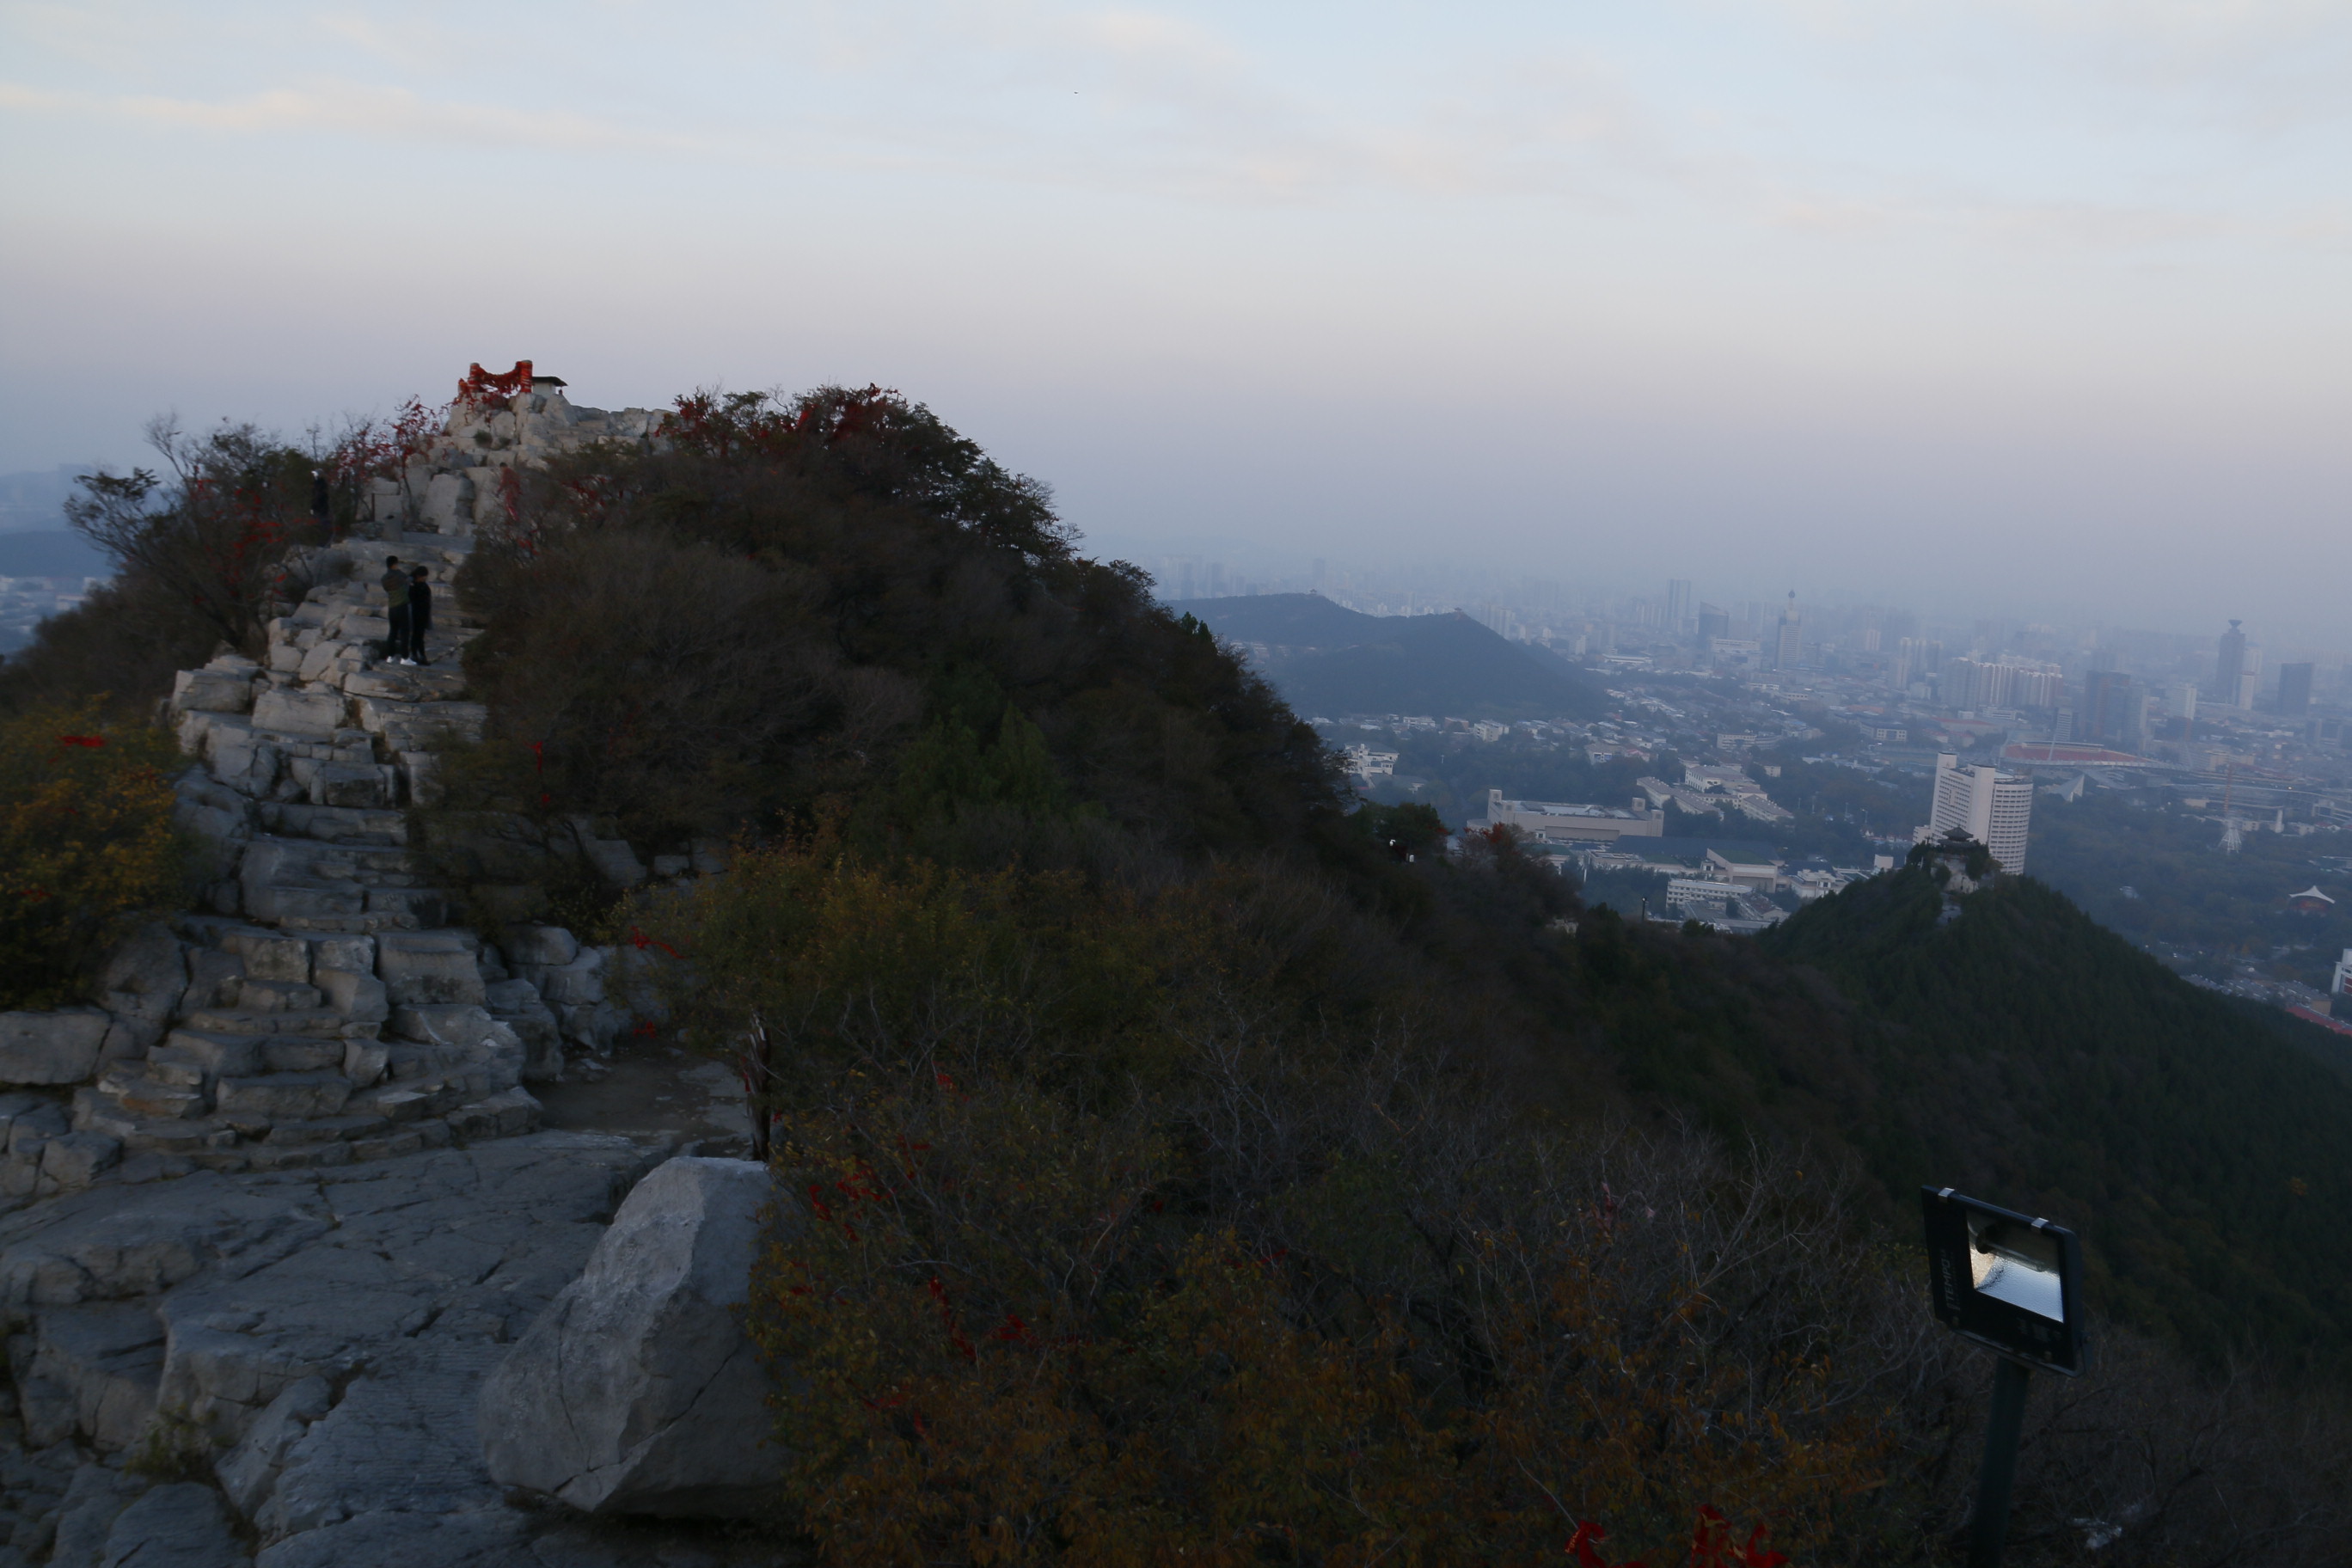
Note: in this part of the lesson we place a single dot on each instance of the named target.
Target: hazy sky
(2021, 305)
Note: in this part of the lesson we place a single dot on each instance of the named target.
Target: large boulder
(51, 1047)
(638, 1391)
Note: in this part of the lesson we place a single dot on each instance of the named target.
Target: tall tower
(1678, 605)
(1789, 639)
(2294, 687)
(2231, 664)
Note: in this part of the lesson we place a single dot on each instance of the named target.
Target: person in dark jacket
(395, 594)
(420, 616)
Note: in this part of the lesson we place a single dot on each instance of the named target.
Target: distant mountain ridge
(1328, 661)
(56, 554)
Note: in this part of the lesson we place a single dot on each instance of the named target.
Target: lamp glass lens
(2015, 1264)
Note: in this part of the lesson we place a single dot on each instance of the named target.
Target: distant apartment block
(1967, 683)
(1560, 822)
(1682, 892)
(1749, 876)
(1365, 763)
(1990, 806)
(2294, 687)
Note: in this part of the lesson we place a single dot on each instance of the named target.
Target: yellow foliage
(87, 844)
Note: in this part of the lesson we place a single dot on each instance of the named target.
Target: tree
(215, 535)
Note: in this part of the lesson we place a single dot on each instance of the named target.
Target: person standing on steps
(396, 593)
(420, 616)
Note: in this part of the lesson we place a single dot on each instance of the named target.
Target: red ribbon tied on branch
(641, 942)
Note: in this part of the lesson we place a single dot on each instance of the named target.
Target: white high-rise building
(1678, 605)
(1990, 806)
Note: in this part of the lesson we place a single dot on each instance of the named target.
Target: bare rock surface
(321, 1338)
(178, 1525)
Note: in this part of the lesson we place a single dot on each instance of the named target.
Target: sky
(2004, 307)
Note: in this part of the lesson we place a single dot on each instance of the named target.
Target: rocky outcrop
(322, 1332)
(638, 1391)
(324, 1009)
(333, 1067)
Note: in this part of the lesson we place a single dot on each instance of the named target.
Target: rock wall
(322, 1008)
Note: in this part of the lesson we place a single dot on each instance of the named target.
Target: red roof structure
(2322, 1019)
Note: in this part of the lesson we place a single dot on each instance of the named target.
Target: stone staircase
(331, 1013)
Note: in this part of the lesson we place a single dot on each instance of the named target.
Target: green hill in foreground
(2030, 1056)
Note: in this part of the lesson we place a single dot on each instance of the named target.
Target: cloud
(389, 113)
(1157, 104)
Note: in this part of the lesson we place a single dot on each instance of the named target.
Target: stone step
(349, 825)
(264, 954)
(169, 1064)
(272, 1098)
(280, 901)
(356, 786)
(429, 906)
(179, 1137)
(322, 1022)
(356, 925)
(435, 682)
(278, 996)
(271, 858)
(507, 1114)
(405, 1102)
(295, 1156)
(421, 726)
(219, 1055)
(118, 1104)
(328, 1129)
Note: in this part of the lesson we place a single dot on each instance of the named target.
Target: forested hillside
(2026, 1054)
(1183, 1155)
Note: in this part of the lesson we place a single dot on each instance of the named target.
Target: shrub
(1123, 1236)
(87, 844)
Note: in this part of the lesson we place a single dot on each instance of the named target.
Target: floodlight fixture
(2009, 1281)
(2013, 1284)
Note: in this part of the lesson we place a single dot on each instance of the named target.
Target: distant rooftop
(1565, 808)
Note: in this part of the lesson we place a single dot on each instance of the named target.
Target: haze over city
(2017, 309)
